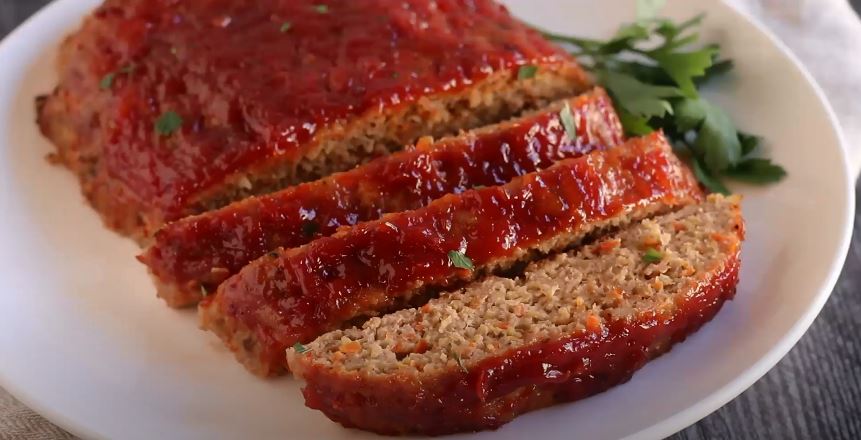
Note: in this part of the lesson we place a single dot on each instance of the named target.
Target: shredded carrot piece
(350, 347)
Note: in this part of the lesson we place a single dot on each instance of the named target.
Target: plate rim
(660, 429)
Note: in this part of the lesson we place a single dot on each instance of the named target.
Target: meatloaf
(194, 255)
(294, 295)
(571, 326)
(169, 108)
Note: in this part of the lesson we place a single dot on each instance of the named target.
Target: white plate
(84, 341)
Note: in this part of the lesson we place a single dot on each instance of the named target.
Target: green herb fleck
(527, 71)
(286, 26)
(299, 348)
(322, 9)
(459, 361)
(652, 255)
(107, 81)
(568, 122)
(130, 68)
(168, 123)
(395, 75)
(310, 228)
(273, 254)
(459, 259)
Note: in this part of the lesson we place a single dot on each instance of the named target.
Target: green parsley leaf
(749, 142)
(652, 255)
(310, 228)
(689, 114)
(684, 67)
(717, 141)
(707, 179)
(638, 98)
(107, 81)
(634, 125)
(459, 259)
(299, 348)
(757, 171)
(168, 123)
(285, 26)
(527, 71)
(649, 9)
(322, 9)
(568, 122)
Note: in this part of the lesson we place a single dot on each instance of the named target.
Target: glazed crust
(458, 401)
(197, 253)
(295, 295)
(264, 108)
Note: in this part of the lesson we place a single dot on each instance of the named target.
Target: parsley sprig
(653, 68)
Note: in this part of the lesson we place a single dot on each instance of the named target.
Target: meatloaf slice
(573, 325)
(294, 295)
(166, 109)
(195, 254)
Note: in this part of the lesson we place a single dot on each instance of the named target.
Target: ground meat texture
(294, 295)
(194, 255)
(571, 326)
(265, 94)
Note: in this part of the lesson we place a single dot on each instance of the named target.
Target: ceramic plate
(85, 342)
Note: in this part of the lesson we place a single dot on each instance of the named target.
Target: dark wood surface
(813, 393)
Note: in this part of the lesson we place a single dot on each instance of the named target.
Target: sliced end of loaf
(671, 273)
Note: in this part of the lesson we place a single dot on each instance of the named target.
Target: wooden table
(813, 393)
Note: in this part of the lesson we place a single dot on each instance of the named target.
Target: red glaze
(250, 91)
(513, 383)
(208, 248)
(297, 294)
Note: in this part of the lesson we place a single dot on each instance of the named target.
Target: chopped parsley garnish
(322, 9)
(286, 26)
(527, 71)
(653, 68)
(652, 255)
(168, 123)
(459, 259)
(107, 81)
(568, 122)
(310, 228)
(299, 348)
(459, 362)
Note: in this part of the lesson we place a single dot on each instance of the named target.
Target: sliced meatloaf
(571, 326)
(195, 254)
(294, 295)
(169, 108)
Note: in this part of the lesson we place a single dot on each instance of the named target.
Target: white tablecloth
(826, 36)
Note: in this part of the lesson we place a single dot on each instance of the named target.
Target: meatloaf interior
(572, 325)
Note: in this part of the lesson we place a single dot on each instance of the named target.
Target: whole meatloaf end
(571, 326)
(294, 295)
(170, 108)
(194, 255)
